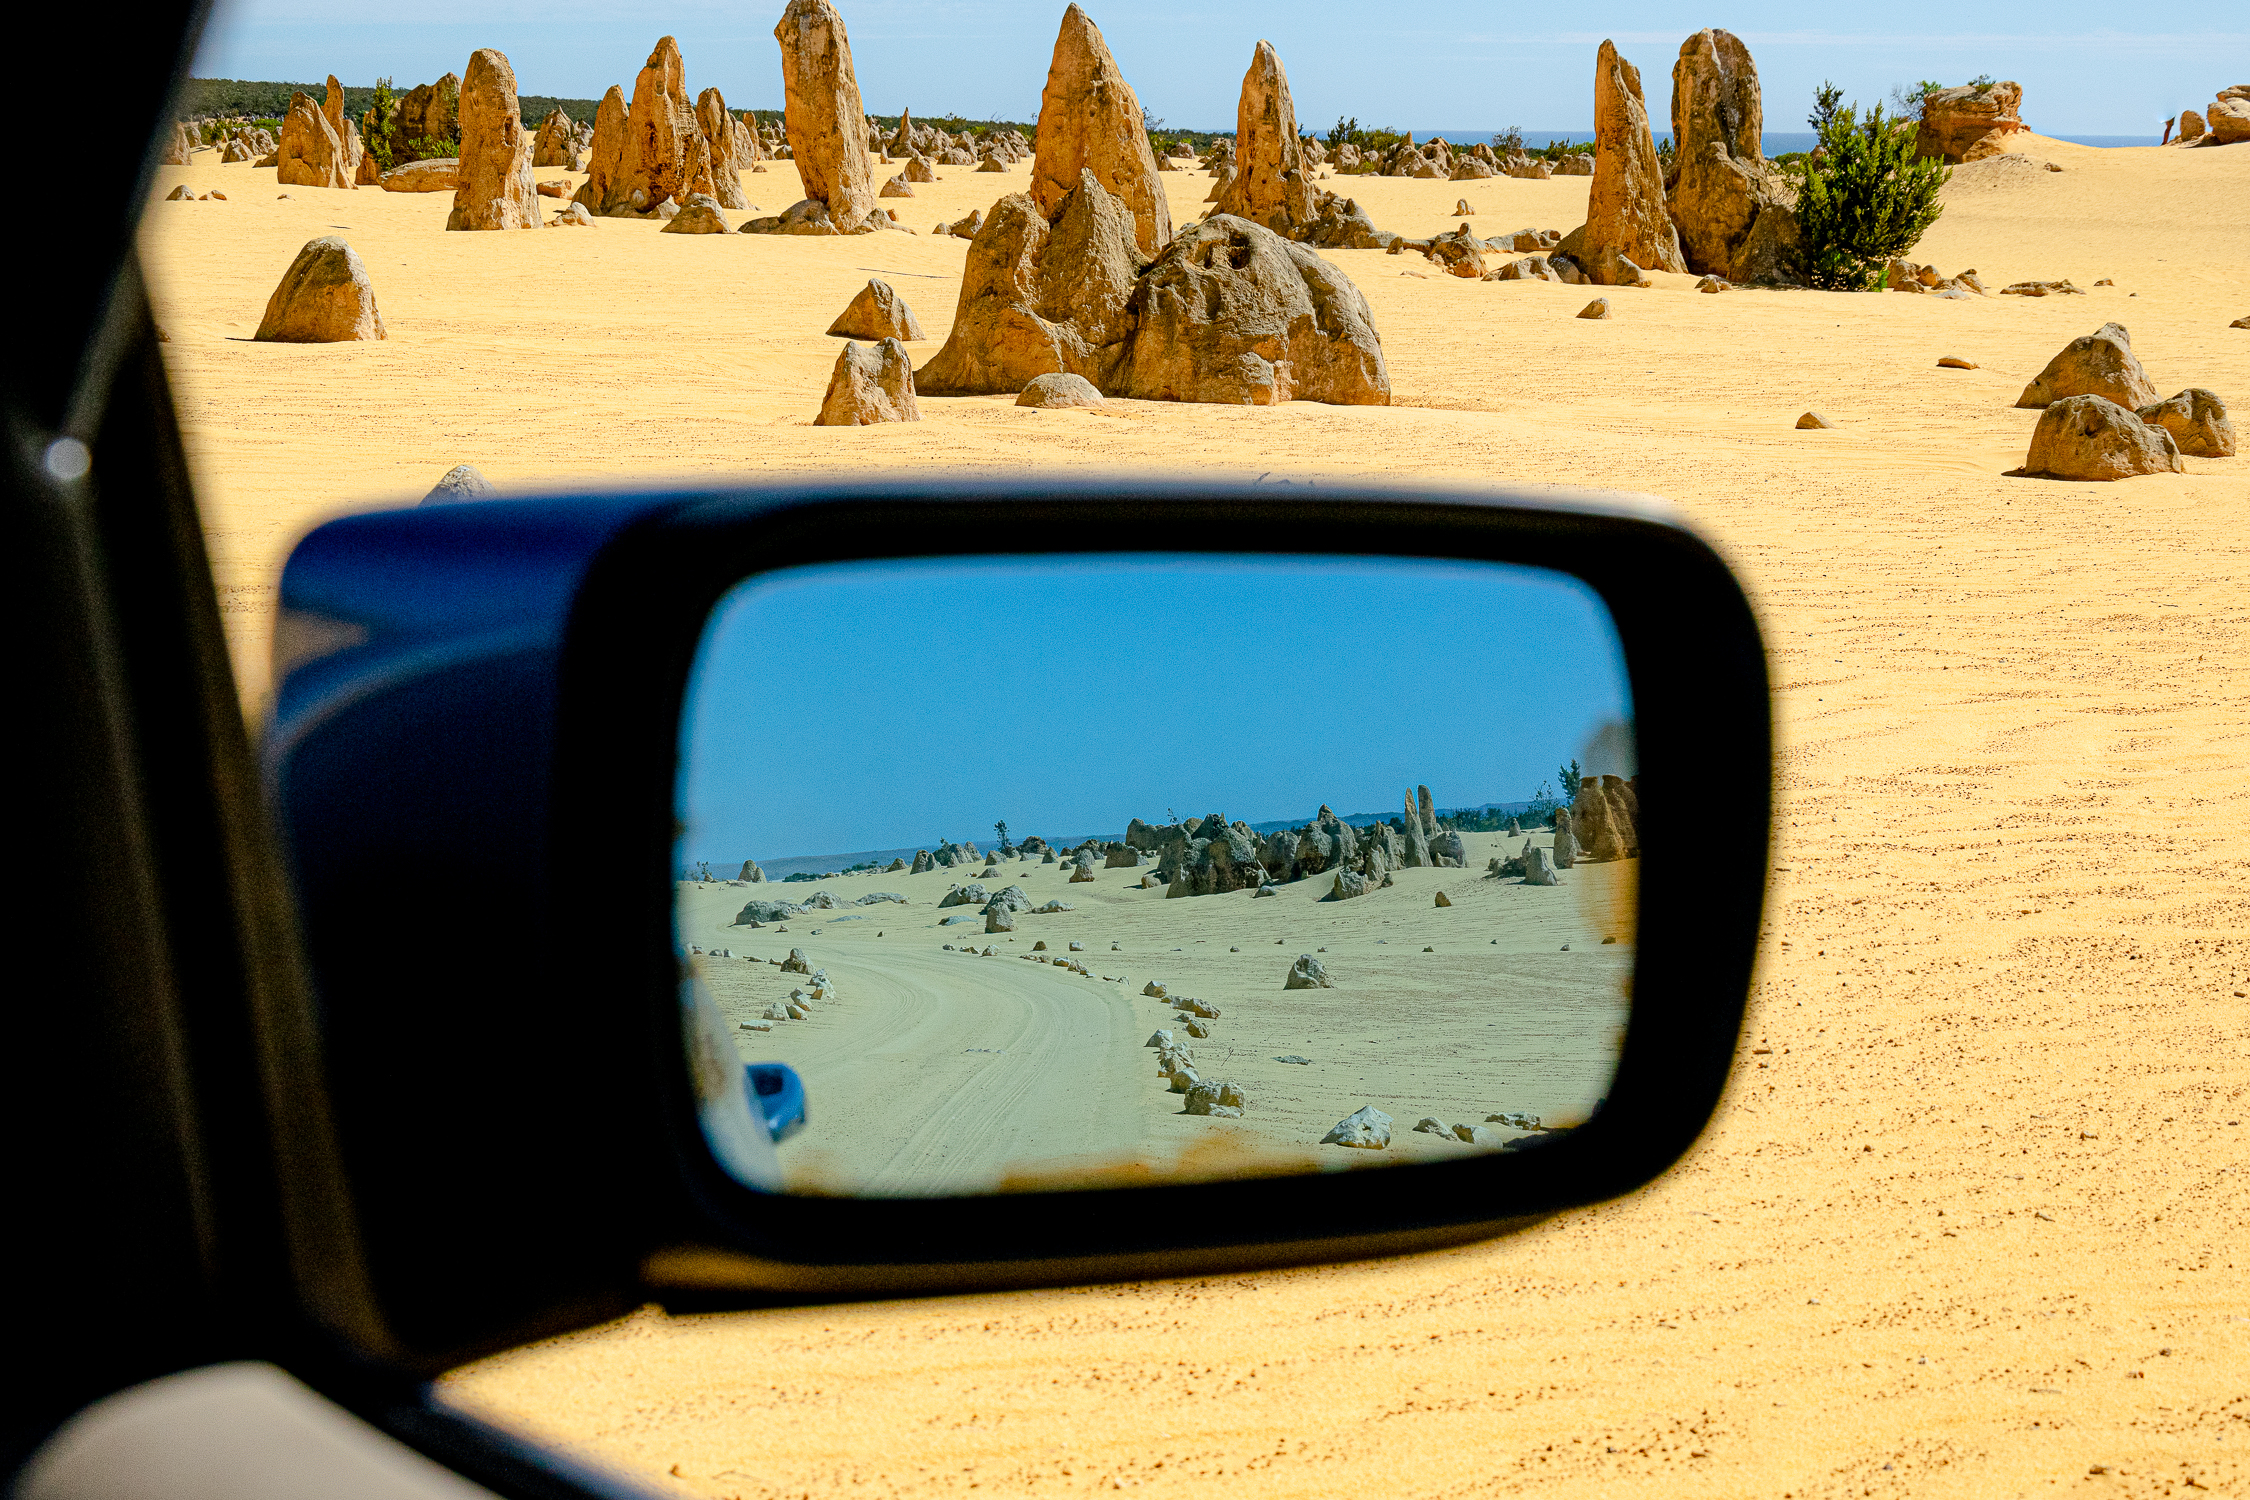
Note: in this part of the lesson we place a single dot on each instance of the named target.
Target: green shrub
(1865, 196)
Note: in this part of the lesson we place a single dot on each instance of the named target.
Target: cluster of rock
(1082, 274)
(924, 148)
(1969, 123)
(759, 912)
(1902, 275)
(1208, 855)
(2101, 419)
(948, 854)
(2223, 124)
(1601, 824)
(319, 146)
(1175, 1064)
(234, 141)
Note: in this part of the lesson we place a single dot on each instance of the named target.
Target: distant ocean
(1772, 142)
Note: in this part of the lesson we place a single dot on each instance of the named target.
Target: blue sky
(2084, 71)
(873, 707)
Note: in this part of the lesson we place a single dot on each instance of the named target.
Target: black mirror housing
(473, 759)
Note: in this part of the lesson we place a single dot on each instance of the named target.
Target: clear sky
(877, 707)
(2086, 68)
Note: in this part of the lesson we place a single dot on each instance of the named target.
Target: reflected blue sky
(878, 706)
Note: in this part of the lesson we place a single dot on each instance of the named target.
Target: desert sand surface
(1971, 1220)
(938, 1069)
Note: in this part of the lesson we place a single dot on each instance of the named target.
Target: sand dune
(1992, 1160)
(945, 1071)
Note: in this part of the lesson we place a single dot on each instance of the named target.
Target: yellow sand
(1954, 1215)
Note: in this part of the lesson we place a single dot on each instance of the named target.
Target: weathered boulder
(877, 312)
(751, 873)
(1459, 254)
(666, 157)
(2197, 420)
(2093, 438)
(894, 187)
(312, 151)
(1232, 313)
(1724, 190)
(1598, 308)
(1539, 867)
(2229, 120)
(1448, 850)
(1627, 218)
(1566, 840)
(2191, 126)
(965, 229)
(999, 919)
(1090, 122)
(923, 864)
(871, 383)
(1341, 224)
(497, 191)
(571, 216)
(1041, 296)
(432, 174)
(1367, 1129)
(1955, 119)
(460, 484)
(1272, 181)
(556, 145)
(2101, 363)
(324, 298)
(1059, 392)
(722, 144)
(827, 123)
(796, 962)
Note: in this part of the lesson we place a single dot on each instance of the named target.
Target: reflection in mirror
(1089, 870)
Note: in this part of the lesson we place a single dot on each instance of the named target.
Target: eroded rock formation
(497, 190)
(1628, 226)
(311, 152)
(871, 383)
(2101, 363)
(1735, 212)
(1272, 184)
(666, 157)
(1090, 121)
(2093, 438)
(606, 186)
(827, 124)
(324, 297)
(722, 141)
(1955, 120)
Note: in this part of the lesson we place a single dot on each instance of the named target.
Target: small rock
(1155, 988)
(1461, 209)
(1443, 899)
(871, 383)
(1307, 973)
(1951, 363)
(1598, 308)
(571, 216)
(1294, 1060)
(1060, 391)
(1432, 1125)
(1366, 1128)
(1040, 946)
(2093, 438)
(878, 312)
(700, 215)
(1265, 890)
(1713, 284)
(1077, 947)
(2197, 420)
(1159, 1039)
(1813, 419)
(461, 482)
(796, 962)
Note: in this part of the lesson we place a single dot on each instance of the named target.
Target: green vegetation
(1557, 150)
(1864, 196)
(1570, 777)
(268, 102)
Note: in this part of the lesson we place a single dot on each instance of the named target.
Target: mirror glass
(1006, 874)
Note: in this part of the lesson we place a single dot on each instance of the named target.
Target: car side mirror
(859, 890)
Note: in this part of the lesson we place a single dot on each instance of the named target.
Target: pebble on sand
(1814, 419)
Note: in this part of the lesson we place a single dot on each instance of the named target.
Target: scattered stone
(1712, 284)
(2101, 363)
(796, 962)
(1222, 1100)
(2197, 420)
(461, 483)
(1077, 947)
(1442, 900)
(871, 383)
(1154, 988)
(2042, 289)
(1432, 1125)
(877, 312)
(1057, 392)
(1081, 874)
(1294, 1060)
(324, 298)
(1598, 308)
(1949, 362)
(699, 215)
(1813, 419)
(1051, 908)
(496, 190)
(1539, 867)
(1161, 1038)
(2093, 438)
(999, 919)
(1366, 1128)
(1307, 973)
